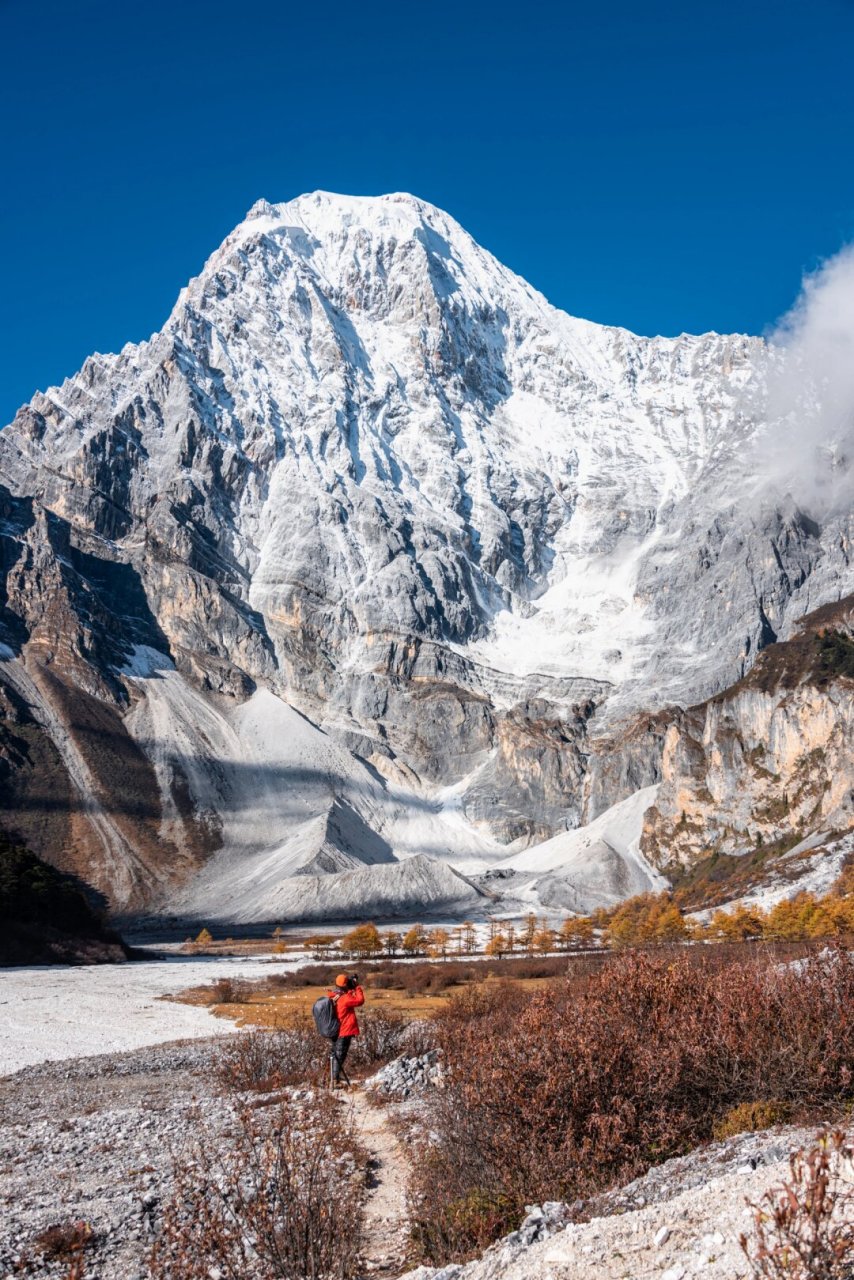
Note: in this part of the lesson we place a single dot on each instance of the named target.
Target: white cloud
(809, 397)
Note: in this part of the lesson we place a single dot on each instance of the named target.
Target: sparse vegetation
(263, 1201)
(804, 1230)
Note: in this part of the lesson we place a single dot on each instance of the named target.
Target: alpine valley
(375, 586)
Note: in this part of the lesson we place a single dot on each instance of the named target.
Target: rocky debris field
(90, 1141)
(404, 1076)
(682, 1219)
(87, 1147)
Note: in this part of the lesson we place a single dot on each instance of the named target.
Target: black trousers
(340, 1049)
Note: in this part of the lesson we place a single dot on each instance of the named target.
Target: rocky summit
(372, 573)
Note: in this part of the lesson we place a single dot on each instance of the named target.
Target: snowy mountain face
(458, 536)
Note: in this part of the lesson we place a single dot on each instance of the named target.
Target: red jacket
(346, 1002)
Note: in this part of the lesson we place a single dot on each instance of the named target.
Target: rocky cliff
(767, 763)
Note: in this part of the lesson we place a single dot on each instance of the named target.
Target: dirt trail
(386, 1215)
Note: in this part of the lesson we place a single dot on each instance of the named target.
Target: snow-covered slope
(367, 471)
(305, 829)
(596, 865)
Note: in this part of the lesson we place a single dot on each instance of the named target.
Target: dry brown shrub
(382, 1036)
(265, 1201)
(225, 991)
(591, 1080)
(427, 976)
(62, 1240)
(263, 1061)
(419, 1037)
(804, 1230)
(386, 978)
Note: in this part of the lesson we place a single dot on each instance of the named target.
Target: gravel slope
(91, 1140)
(683, 1219)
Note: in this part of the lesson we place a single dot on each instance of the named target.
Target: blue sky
(666, 167)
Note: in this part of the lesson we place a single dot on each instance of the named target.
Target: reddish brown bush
(591, 1080)
(804, 1230)
(62, 1240)
(382, 1034)
(426, 976)
(262, 1061)
(264, 1201)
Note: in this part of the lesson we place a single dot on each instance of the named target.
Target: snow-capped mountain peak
(368, 468)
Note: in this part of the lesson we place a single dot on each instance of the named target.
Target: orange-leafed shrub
(804, 1230)
(590, 1081)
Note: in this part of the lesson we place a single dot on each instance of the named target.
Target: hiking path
(386, 1211)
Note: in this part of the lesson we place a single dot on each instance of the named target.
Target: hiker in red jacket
(348, 996)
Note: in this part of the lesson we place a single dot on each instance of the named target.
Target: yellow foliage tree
(669, 924)
(576, 931)
(415, 940)
(497, 945)
(528, 932)
(783, 921)
(363, 941)
(544, 940)
(437, 942)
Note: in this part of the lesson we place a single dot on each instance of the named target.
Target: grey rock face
(624, 763)
(766, 762)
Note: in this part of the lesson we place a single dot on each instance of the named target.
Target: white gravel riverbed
(54, 1012)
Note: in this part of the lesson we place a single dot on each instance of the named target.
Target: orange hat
(341, 980)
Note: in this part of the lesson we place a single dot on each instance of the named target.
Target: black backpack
(326, 1017)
